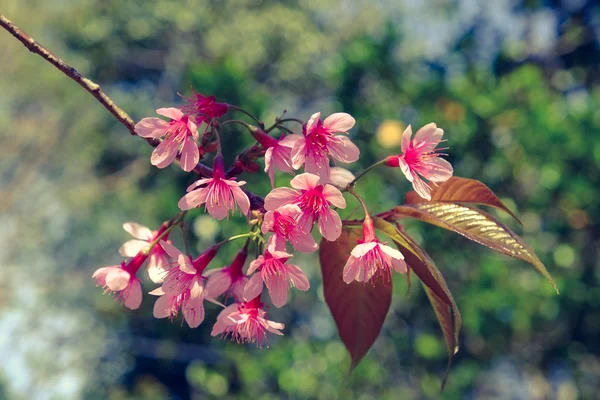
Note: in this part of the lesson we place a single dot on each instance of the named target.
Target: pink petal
(133, 298)
(193, 130)
(405, 143)
(428, 137)
(237, 289)
(439, 170)
(351, 269)
(399, 266)
(405, 168)
(185, 264)
(117, 279)
(189, 155)
(151, 128)
(395, 254)
(305, 181)
(137, 231)
(156, 271)
(330, 225)
(342, 149)
(317, 165)
(165, 153)
(254, 287)
(157, 292)
(298, 152)
(193, 312)
(170, 249)
(268, 222)
(278, 291)
(312, 122)
(290, 140)
(193, 199)
(218, 284)
(340, 176)
(162, 307)
(218, 328)
(132, 247)
(269, 166)
(363, 248)
(241, 199)
(254, 265)
(339, 122)
(199, 182)
(172, 112)
(279, 197)
(274, 327)
(282, 159)
(297, 277)
(334, 196)
(304, 242)
(421, 187)
(276, 243)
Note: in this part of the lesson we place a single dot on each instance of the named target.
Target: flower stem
(237, 121)
(248, 114)
(173, 222)
(360, 200)
(367, 170)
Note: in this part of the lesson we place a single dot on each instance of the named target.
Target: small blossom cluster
(279, 225)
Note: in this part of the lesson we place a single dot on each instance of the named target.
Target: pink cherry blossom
(371, 259)
(205, 108)
(283, 222)
(278, 276)
(278, 152)
(183, 287)
(315, 201)
(218, 193)
(318, 142)
(230, 280)
(420, 159)
(122, 279)
(179, 132)
(158, 260)
(246, 322)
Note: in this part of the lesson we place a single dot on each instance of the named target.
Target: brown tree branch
(95, 90)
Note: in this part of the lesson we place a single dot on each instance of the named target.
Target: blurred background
(514, 84)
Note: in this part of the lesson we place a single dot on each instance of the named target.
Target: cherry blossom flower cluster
(279, 225)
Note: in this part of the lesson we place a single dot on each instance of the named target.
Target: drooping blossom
(283, 222)
(122, 280)
(158, 260)
(230, 280)
(273, 271)
(421, 160)
(183, 288)
(371, 259)
(179, 132)
(315, 201)
(341, 176)
(246, 322)
(218, 193)
(319, 141)
(278, 152)
(204, 108)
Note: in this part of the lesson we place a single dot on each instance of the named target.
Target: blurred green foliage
(515, 86)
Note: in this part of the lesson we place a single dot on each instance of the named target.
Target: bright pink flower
(283, 222)
(158, 260)
(278, 154)
(319, 142)
(315, 200)
(278, 276)
(183, 287)
(246, 323)
(205, 108)
(179, 132)
(218, 193)
(371, 259)
(420, 158)
(230, 280)
(122, 279)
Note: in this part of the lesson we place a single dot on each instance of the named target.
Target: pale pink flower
(278, 276)
(180, 131)
(183, 287)
(371, 259)
(278, 152)
(122, 280)
(341, 177)
(230, 280)
(315, 200)
(246, 322)
(218, 193)
(158, 260)
(283, 222)
(420, 159)
(319, 141)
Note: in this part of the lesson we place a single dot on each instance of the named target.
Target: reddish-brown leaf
(476, 225)
(358, 309)
(435, 286)
(462, 190)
